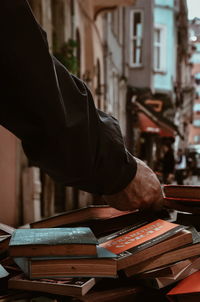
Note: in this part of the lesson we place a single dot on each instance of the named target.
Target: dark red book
(186, 290)
(182, 191)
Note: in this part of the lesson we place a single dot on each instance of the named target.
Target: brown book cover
(4, 243)
(182, 191)
(6, 229)
(66, 286)
(169, 270)
(78, 216)
(121, 294)
(183, 204)
(184, 252)
(135, 244)
(182, 272)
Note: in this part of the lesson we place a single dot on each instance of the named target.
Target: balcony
(102, 5)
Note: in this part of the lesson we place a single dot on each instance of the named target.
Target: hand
(144, 191)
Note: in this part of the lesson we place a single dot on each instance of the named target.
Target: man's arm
(53, 113)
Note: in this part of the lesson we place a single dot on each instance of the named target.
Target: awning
(147, 125)
(163, 126)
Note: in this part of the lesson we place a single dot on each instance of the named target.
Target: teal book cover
(53, 236)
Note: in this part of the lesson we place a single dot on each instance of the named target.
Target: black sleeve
(53, 112)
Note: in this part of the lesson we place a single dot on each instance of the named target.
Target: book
(169, 270)
(4, 243)
(183, 204)
(4, 275)
(7, 260)
(17, 295)
(78, 216)
(180, 239)
(103, 227)
(187, 289)
(66, 287)
(182, 191)
(3, 272)
(140, 242)
(184, 252)
(101, 219)
(6, 229)
(104, 265)
(188, 219)
(183, 201)
(121, 294)
(182, 271)
(52, 242)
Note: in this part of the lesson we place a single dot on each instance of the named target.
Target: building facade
(159, 78)
(194, 138)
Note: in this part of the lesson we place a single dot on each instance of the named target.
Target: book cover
(4, 275)
(66, 286)
(52, 241)
(182, 204)
(165, 280)
(3, 272)
(184, 252)
(6, 229)
(4, 243)
(185, 201)
(101, 219)
(128, 258)
(142, 250)
(140, 237)
(170, 270)
(188, 219)
(182, 191)
(104, 265)
(190, 284)
(125, 293)
(78, 216)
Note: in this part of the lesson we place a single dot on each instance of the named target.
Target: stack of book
(183, 197)
(99, 254)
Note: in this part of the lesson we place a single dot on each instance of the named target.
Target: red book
(146, 234)
(186, 290)
(182, 191)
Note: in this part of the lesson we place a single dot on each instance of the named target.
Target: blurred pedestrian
(168, 163)
(180, 167)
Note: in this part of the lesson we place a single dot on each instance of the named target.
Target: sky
(193, 8)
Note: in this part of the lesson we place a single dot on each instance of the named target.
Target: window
(196, 123)
(160, 48)
(136, 38)
(197, 138)
(196, 107)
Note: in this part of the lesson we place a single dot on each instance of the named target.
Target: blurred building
(160, 90)
(194, 133)
(194, 137)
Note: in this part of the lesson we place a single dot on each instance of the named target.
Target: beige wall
(8, 178)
